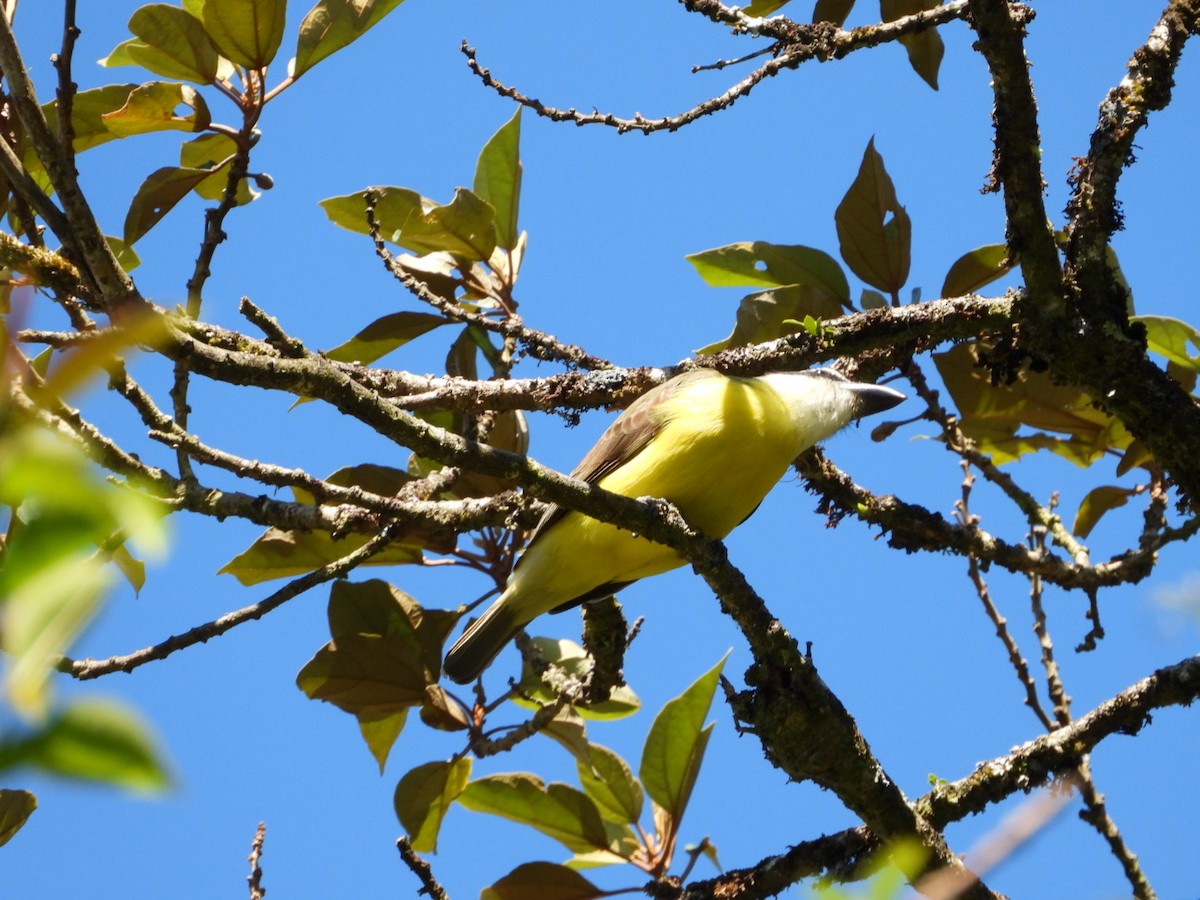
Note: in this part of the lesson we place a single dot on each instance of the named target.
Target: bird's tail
(486, 636)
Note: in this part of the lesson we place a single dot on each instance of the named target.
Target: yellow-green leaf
(874, 231)
(609, 781)
(424, 795)
(1171, 338)
(835, 11)
(15, 809)
(979, 267)
(171, 42)
(545, 881)
(214, 154)
(557, 810)
(760, 264)
(498, 179)
(247, 32)
(384, 335)
(333, 24)
(465, 227)
(574, 660)
(675, 745)
(380, 731)
(284, 554)
(1095, 504)
(393, 207)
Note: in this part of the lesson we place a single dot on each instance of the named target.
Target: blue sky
(610, 218)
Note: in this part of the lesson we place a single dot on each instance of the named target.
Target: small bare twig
(254, 879)
(420, 868)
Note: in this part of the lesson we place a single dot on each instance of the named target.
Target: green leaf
(835, 11)
(465, 227)
(393, 207)
(384, 335)
(874, 231)
(498, 179)
(1171, 338)
(764, 7)
(94, 740)
(424, 795)
(15, 808)
(333, 24)
(558, 811)
(609, 781)
(767, 315)
(545, 881)
(130, 566)
(376, 607)
(925, 48)
(1095, 504)
(214, 153)
(157, 196)
(170, 42)
(247, 32)
(676, 743)
(87, 118)
(367, 674)
(152, 107)
(979, 267)
(571, 658)
(760, 264)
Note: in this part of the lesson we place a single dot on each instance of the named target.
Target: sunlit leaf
(393, 208)
(333, 24)
(465, 227)
(764, 7)
(925, 48)
(15, 809)
(979, 267)
(153, 107)
(545, 881)
(171, 42)
(214, 153)
(88, 109)
(94, 740)
(248, 32)
(574, 660)
(1171, 338)
(157, 196)
(498, 178)
(1095, 504)
(557, 810)
(424, 795)
(609, 781)
(284, 554)
(760, 264)
(130, 566)
(675, 745)
(385, 335)
(1063, 418)
(767, 315)
(874, 231)
(380, 731)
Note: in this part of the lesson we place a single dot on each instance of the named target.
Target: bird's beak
(874, 398)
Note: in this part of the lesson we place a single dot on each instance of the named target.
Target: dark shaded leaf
(764, 7)
(424, 795)
(767, 315)
(498, 179)
(157, 196)
(979, 267)
(15, 809)
(376, 607)
(333, 24)
(675, 745)
(835, 11)
(545, 881)
(874, 231)
(367, 674)
(247, 32)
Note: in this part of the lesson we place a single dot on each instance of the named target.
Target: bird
(711, 444)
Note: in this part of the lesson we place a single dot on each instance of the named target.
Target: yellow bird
(711, 444)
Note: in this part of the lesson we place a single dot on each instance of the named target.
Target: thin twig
(254, 879)
(420, 868)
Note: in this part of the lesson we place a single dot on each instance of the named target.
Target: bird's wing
(624, 439)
